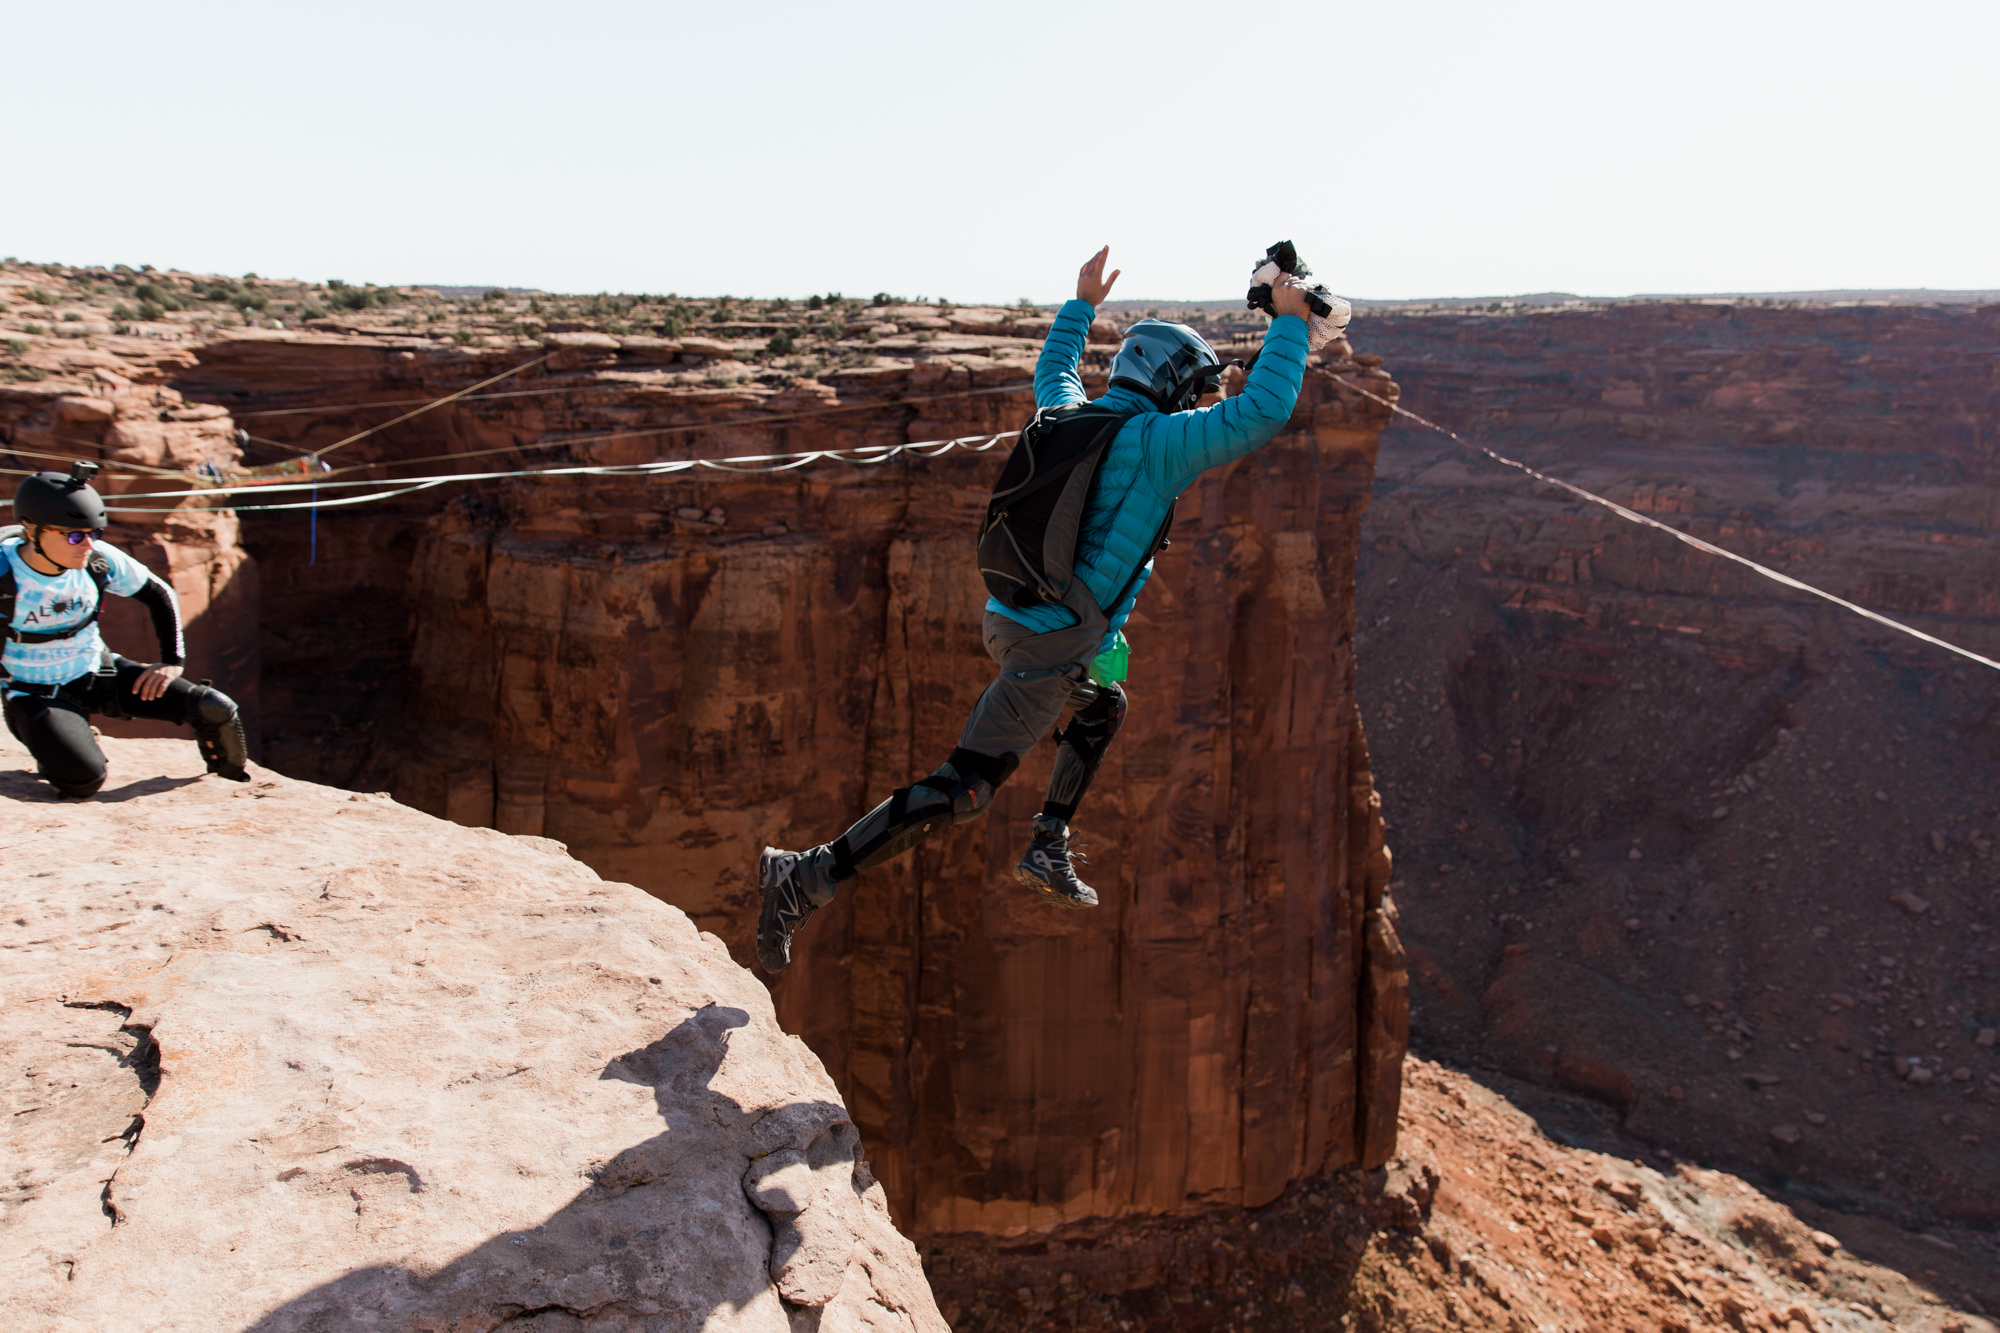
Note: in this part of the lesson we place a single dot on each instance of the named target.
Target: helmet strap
(36, 556)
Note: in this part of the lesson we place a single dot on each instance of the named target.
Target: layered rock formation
(284, 1057)
(1670, 834)
(664, 673)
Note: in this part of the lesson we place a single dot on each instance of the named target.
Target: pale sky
(982, 151)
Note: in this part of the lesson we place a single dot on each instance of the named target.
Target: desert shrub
(672, 325)
(150, 310)
(157, 296)
(462, 336)
(922, 336)
(435, 317)
(815, 302)
(23, 374)
(311, 311)
(781, 343)
(71, 317)
(124, 312)
(121, 328)
(617, 330)
(33, 328)
(495, 294)
(39, 296)
(18, 344)
(879, 298)
(1026, 303)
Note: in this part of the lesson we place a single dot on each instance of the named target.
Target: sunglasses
(77, 538)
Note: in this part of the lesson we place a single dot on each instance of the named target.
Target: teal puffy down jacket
(1154, 457)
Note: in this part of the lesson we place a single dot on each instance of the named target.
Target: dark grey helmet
(1169, 363)
(51, 500)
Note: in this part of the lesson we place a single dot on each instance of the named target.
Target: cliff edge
(283, 1057)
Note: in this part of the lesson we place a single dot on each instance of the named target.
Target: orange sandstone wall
(664, 674)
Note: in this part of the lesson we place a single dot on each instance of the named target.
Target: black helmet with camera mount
(1168, 363)
(51, 500)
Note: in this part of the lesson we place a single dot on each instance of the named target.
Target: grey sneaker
(1047, 869)
(792, 886)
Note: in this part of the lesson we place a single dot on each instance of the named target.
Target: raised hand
(1288, 297)
(1091, 284)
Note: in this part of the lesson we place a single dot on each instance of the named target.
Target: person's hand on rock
(1091, 284)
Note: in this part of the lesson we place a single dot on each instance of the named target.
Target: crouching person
(54, 573)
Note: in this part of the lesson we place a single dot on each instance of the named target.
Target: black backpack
(98, 567)
(1027, 544)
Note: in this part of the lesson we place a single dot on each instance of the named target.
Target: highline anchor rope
(1709, 547)
(860, 455)
(870, 454)
(681, 428)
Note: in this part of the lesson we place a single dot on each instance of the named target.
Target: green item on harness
(1110, 666)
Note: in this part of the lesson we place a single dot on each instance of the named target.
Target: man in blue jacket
(1046, 652)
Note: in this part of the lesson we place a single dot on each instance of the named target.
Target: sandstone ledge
(285, 1057)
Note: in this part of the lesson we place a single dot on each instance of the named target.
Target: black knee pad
(1091, 728)
(970, 778)
(78, 790)
(1080, 748)
(209, 709)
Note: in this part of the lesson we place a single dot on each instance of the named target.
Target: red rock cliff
(1670, 834)
(664, 673)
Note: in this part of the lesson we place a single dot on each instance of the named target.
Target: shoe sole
(1028, 879)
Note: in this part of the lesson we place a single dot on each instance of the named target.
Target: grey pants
(1040, 675)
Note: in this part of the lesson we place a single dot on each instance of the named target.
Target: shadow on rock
(723, 1213)
(145, 787)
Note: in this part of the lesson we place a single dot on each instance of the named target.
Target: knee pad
(968, 780)
(78, 790)
(1080, 748)
(1091, 728)
(209, 709)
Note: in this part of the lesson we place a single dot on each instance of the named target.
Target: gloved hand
(1281, 262)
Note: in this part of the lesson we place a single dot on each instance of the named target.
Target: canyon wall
(665, 673)
(1669, 834)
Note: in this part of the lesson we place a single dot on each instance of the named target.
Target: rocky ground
(281, 1057)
